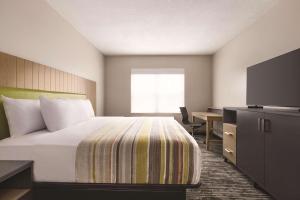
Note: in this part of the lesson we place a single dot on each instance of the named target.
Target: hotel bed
(155, 155)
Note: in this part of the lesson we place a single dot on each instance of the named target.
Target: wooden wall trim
(17, 72)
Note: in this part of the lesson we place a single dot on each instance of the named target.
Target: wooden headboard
(16, 72)
(21, 78)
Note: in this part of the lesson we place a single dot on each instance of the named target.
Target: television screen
(275, 82)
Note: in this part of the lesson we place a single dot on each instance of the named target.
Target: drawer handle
(228, 150)
(228, 133)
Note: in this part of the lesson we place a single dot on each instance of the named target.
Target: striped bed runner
(139, 150)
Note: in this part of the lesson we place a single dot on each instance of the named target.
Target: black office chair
(185, 120)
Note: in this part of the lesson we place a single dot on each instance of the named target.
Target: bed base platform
(89, 191)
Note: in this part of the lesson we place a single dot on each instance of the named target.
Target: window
(157, 90)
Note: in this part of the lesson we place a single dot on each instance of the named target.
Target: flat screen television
(275, 82)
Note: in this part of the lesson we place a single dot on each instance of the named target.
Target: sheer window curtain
(157, 90)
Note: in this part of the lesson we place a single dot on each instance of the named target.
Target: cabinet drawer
(229, 129)
(229, 154)
(229, 137)
(229, 142)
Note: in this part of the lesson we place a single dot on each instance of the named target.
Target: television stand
(256, 107)
(266, 140)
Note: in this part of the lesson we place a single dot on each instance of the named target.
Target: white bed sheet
(53, 153)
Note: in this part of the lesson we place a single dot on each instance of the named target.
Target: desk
(209, 117)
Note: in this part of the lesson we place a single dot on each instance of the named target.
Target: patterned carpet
(220, 180)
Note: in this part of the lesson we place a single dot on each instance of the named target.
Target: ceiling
(160, 27)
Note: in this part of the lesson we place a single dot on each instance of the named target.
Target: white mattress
(53, 153)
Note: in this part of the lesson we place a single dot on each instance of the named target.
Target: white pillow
(87, 107)
(23, 116)
(62, 113)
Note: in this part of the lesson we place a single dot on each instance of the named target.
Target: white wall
(31, 29)
(118, 71)
(276, 33)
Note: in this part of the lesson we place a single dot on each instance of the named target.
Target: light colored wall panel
(2, 70)
(53, 79)
(47, 78)
(65, 82)
(41, 77)
(57, 79)
(35, 76)
(28, 74)
(92, 93)
(73, 84)
(81, 85)
(20, 73)
(85, 87)
(61, 81)
(69, 82)
(11, 71)
(76, 84)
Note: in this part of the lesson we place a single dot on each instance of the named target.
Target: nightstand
(15, 180)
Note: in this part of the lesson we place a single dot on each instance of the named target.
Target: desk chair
(185, 120)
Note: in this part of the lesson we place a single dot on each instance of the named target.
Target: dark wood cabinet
(282, 150)
(268, 149)
(250, 145)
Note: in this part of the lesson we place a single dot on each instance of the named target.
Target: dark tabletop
(11, 168)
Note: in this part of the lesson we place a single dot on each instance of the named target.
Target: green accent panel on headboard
(27, 94)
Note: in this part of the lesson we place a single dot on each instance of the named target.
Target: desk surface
(206, 114)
